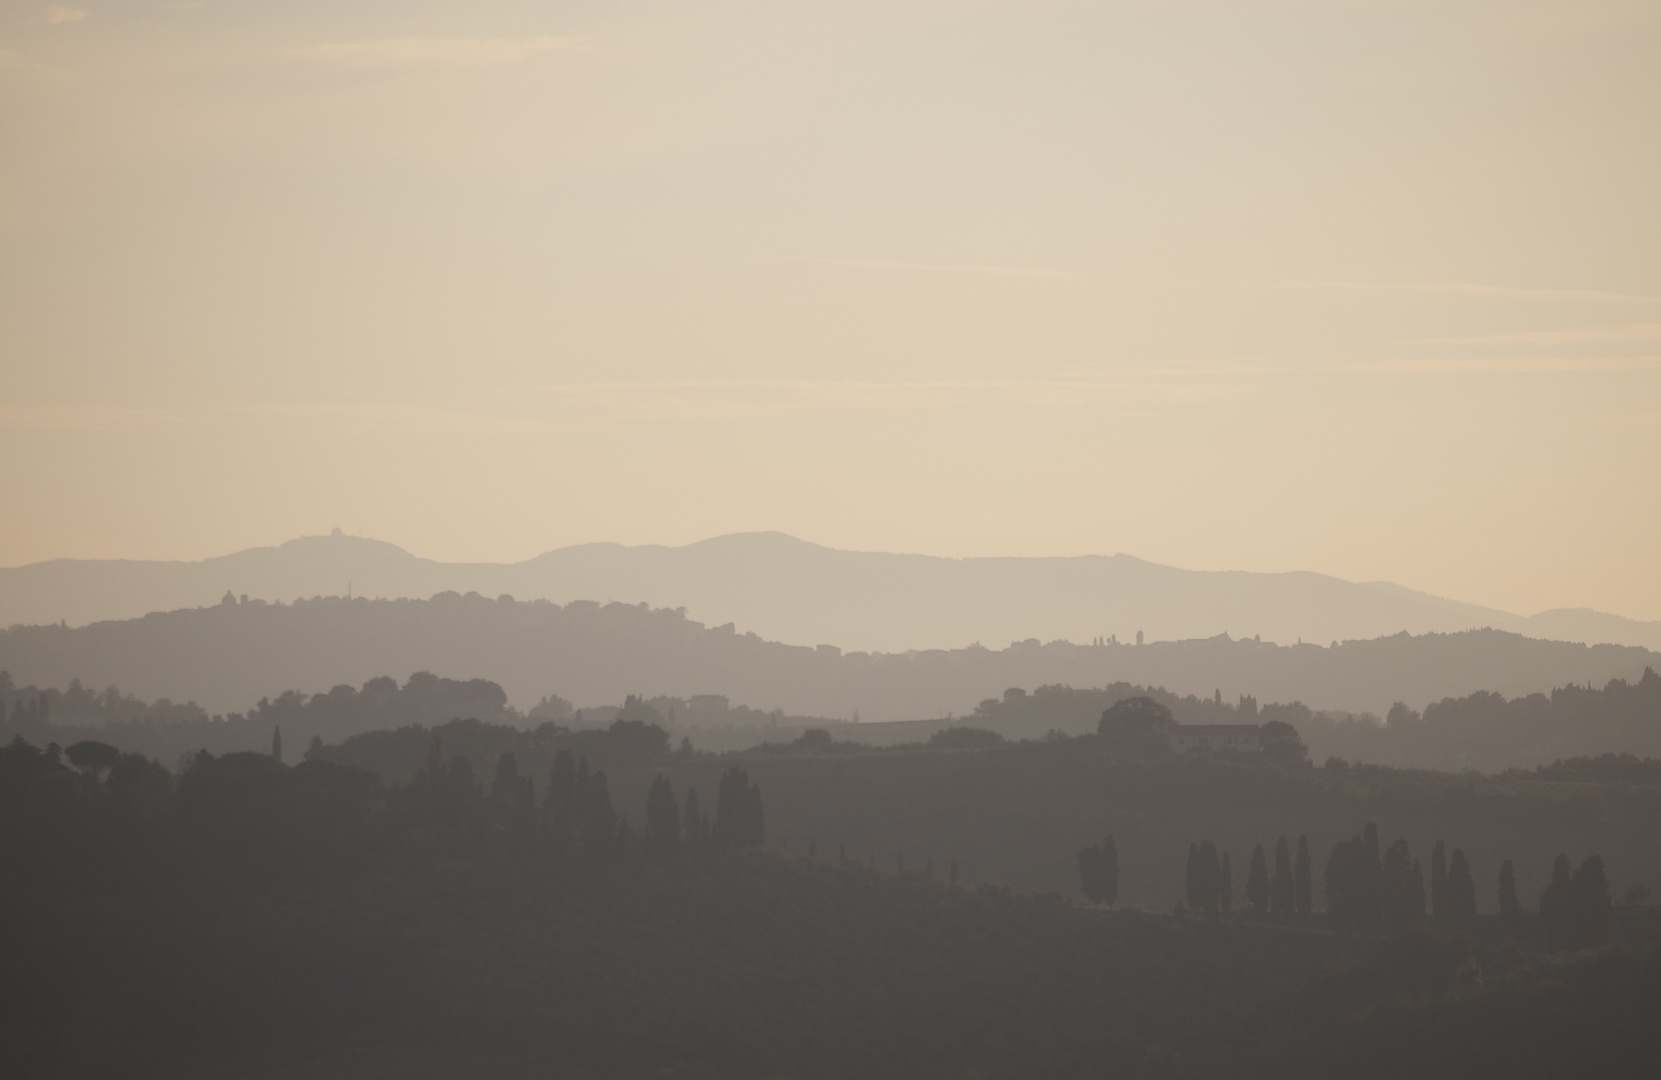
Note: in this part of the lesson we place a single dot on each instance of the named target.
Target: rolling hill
(786, 589)
(228, 656)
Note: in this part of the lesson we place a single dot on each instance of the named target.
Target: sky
(1365, 287)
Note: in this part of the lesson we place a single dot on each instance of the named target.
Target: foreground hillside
(1017, 813)
(230, 655)
(757, 967)
(249, 919)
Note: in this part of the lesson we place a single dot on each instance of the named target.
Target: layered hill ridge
(229, 655)
(791, 590)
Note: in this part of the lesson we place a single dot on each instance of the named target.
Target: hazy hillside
(790, 590)
(246, 918)
(228, 656)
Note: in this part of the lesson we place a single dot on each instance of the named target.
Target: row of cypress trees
(1098, 869)
(1575, 908)
(1369, 887)
(1362, 885)
(577, 816)
(1209, 881)
(739, 822)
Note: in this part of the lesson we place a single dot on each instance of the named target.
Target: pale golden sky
(1368, 288)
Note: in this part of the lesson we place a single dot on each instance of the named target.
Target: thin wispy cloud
(62, 15)
(1630, 334)
(993, 269)
(377, 417)
(751, 399)
(1515, 365)
(391, 418)
(90, 418)
(396, 53)
(1456, 288)
(1222, 371)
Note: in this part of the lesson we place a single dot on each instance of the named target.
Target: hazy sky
(1370, 288)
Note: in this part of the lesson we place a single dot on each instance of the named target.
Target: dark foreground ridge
(252, 919)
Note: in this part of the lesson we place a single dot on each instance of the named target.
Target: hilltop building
(1240, 738)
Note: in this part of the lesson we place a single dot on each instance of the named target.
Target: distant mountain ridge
(791, 590)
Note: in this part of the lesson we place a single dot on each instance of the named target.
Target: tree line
(1372, 889)
(1489, 732)
(95, 805)
(576, 818)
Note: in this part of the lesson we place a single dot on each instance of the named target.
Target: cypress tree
(562, 782)
(1439, 882)
(277, 744)
(522, 822)
(1303, 884)
(426, 789)
(690, 818)
(739, 818)
(1281, 891)
(1556, 904)
(1191, 877)
(1350, 886)
(459, 792)
(506, 783)
(559, 809)
(1370, 874)
(1090, 873)
(1210, 878)
(1225, 894)
(1590, 903)
(1461, 890)
(730, 798)
(1510, 910)
(1396, 885)
(663, 820)
(1257, 883)
(757, 816)
(1418, 892)
(598, 823)
(1098, 872)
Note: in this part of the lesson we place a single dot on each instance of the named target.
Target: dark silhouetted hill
(1016, 813)
(247, 918)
